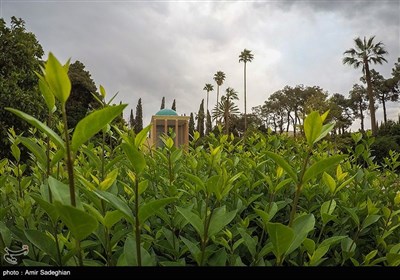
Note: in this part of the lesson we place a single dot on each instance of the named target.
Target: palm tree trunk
(245, 104)
(384, 109)
(207, 99)
(370, 97)
(362, 117)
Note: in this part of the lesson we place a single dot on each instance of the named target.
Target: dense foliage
(262, 200)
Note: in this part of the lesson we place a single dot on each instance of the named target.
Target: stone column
(176, 133)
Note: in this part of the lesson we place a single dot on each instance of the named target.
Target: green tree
(226, 108)
(81, 99)
(219, 78)
(20, 56)
(200, 119)
(384, 90)
(162, 103)
(131, 120)
(139, 117)
(173, 107)
(245, 56)
(191, 127)
(208, 123)
(365, 53)
(208, 88)
(358, 102)
(339, 111)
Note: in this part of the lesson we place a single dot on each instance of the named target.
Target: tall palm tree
(364, 53)
(208, 88)
(219, 78)
(225, 109)
(245, 56)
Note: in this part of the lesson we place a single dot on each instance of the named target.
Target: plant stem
(21, 193)
(79, 251)
(298, 189)
(137, 224)
(70, 163)
(207, 220)
(57, 245)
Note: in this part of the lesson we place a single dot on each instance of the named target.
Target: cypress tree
(163, 103)
(191, 127)
(173, 105)
(200, 119)
(131, 120)
(208, 123)
(139, 117)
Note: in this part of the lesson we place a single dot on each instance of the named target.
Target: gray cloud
(154, 49)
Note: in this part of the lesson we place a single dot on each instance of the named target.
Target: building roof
(166, 112)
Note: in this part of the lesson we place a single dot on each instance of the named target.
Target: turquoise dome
(166, 112)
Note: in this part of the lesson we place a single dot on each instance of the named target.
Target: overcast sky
(151, 49)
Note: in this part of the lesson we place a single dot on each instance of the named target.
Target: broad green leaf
(150, 208)
(57, 79)
(284, 164)
(109, 180)
(345, 183)
(102, 91)
(323, 248)
(57, 157)
(92, 156)
(198, 181)
(47, 207)
(193, 249)
(95, 213)
(281, 237)
(5, 234)
(39, 125)
(118, 203)
(219, 219)
(16, 152)
(41, 240)
(320, 166)
(324, 115)
(47, 94)
(112, 217)
(130, 252)
(302, 226)
(249, 241)
(309, 244)
(370, 256)
(357, 136)
(312, 127)
(266, 217)
(328, 206)
(282, 184)
(193, 219)
(353, 215)
(369, 220)
(142, 136)
(61, 193)
(324, 131)
(397, 198)
(80, 223)
(393, 259)
(219, 258)
(35, 149)
(93, 123)
(135, 156)
(143, 186)
(329, 182)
